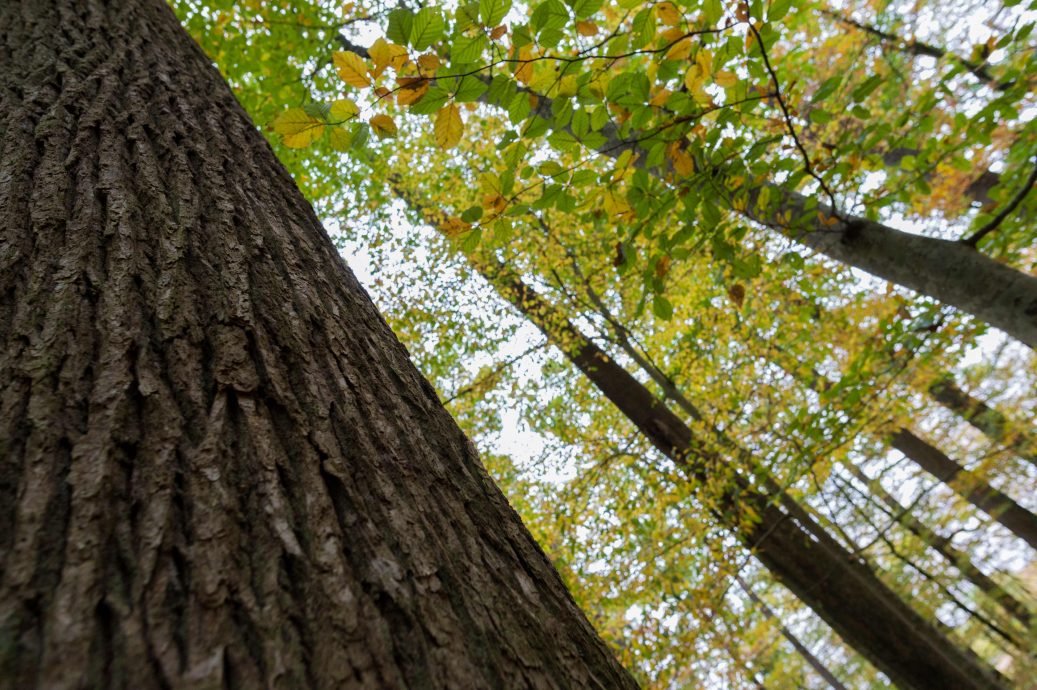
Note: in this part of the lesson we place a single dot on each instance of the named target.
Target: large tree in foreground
(220, 469)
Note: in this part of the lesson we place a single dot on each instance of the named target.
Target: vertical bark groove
(219, 467)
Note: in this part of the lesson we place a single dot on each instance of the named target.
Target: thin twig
(1009, 207)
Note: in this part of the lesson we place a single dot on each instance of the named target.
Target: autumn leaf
(449, 126)
(385, 54)
(383, 126)
(343, 110)
(585, 28)
(351, 68)
(668, 13)
(297, 128)
(454, 226)
(737, 294)
(428, 64)
(679, 50)
(412, 90)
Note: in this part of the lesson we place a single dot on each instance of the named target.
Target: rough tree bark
(218, 467)
(818, 570)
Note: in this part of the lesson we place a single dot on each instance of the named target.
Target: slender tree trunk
(986, 419)
(219, 467)
(800, 648)
(972, 488)
(832, 581)
(942, 545)
(1020, 521)
(939, 544)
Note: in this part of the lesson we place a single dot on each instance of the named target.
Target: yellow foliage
(297, 127)
(449, 126)
(351, 68)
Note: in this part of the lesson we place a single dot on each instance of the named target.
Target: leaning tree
(219, 467)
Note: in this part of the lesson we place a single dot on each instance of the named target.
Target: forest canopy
(673, 264)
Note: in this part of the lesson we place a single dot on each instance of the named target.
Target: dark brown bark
(986, 419)
(1020, 521)
(219, 467)
(825, 576)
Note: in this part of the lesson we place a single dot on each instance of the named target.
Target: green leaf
(470, 89)
(864, 89)
(401, 21)
(428, 28)
(468, 49)
(550, 14)
(431, 102)
(472, 214)
(826, 89)
(585, 8)
(466, 15)
(492, 11)
(820, 116)
(778, 10)
(662, 308)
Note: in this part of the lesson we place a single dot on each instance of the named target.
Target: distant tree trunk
(986, 419)
(1020, 521)
(793, 640)
(870, 617)
(942, 545)
(218, 467)
(972, 488)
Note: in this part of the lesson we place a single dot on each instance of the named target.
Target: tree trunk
(219, 467)
(1020, 521)
(801, 649)
(820, 572)
(942, 545)
(815, 381)
(986, 419)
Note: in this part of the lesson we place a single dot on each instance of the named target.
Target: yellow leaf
(343, 109)
(340, 137)
(498, 32)
(725, 78)
(453, 226)
(660, 97)
(585, 28)
(524, 73)
(693, 78)
(679, 50)
(449, 126)
(412, 90)
(672, 34)
(351, 68)
(297, 127)
(383, 126)
(704, 58)
(668, 13)
(428, 64)
(385, 54)
(683, 164)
